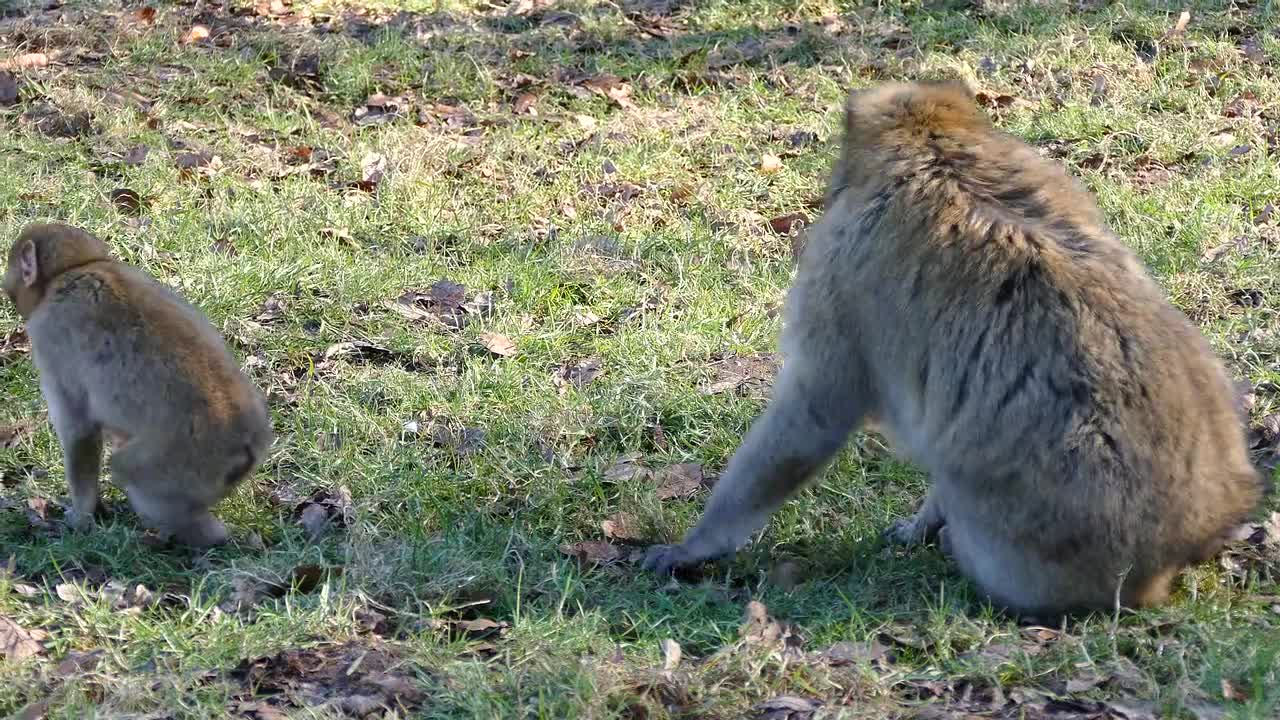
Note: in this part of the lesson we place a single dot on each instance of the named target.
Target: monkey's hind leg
(169, 498)
(922, 527)
(81, 441)
(806, 423)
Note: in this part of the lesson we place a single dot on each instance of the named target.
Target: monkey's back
(1036, 368)
(164, 366)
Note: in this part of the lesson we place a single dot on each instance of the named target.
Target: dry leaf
(372, 169)
(577, 375)
(11, 435)
(27, 61)
(679, 481)
(847, 653)
(197, 33)
(19, 643)
(786, 707)
(499, 345)
(8, 88)
(626, 469)
(593, 552)
(671, 654)
(770, 164)
(127, 201)
(143, 15)
(622, 526)
(791, 222)
(1180, 26)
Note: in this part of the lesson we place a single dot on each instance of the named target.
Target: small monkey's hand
(663, 559)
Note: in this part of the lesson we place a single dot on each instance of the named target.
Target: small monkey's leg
(922, 527)
(81, 443)
(807, 422)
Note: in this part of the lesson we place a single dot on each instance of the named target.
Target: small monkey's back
(178, 372)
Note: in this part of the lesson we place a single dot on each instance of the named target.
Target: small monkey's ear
(27, 265)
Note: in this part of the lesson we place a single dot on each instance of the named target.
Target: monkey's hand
(662, 559)
(911, 531)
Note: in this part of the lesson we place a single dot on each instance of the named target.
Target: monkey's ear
(27, 265)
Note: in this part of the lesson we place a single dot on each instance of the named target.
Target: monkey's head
(882, 121)
(41, 253)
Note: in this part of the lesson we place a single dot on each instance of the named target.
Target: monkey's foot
(80, 521)
(663, 559)
(203, 532)
(911, 531)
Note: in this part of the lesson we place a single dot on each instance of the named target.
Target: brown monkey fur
(123, 356)
(966, 296)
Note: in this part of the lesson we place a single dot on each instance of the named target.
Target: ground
(510, 275)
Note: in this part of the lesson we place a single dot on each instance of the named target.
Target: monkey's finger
(661, 559)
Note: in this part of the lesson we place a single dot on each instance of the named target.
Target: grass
(441, 480)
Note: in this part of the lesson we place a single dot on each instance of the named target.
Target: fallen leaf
(1251, 49)
(753, 373)
(323, 509)
(611, 87)
(193, 160)
(499, 345)
(679, 481)
(273, 308)
(143, 15)
(760, 628)
(791, 222)
(306, 578)
(1247, 297)
(1230, 691)
(671, 654)
(76, 664)
(577, 375)
(770, 164)
(19, 643)
(847, 653)
(622, 526)
(136, 155)
(13, 434)
(786, 575)
(8, 88)
(12, 345)
(524, 104)
(27, 61)
(626, 469)
(197, 33)
(1098, 92)
(127, 201)
(1179, 27)
(1084, 683)
(786, 707)
(593, 552)
(53, 122)
(315, 520)
(373, 167)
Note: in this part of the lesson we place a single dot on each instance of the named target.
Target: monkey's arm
(807, 422)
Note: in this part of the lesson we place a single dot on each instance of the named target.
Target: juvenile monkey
(966, 296)
(123, 356)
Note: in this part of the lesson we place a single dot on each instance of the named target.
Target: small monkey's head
(41, 253)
